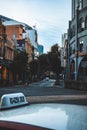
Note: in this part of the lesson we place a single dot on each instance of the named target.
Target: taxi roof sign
(12, 100)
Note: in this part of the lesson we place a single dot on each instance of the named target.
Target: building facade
(14, 31)
(28, 48)
(64, 50)
(31, 34)
(15, 42)
(77, 41)
(6, 55)
(19, 37)
(40, 49)
(20, 32)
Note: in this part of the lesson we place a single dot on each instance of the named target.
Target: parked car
(18, 114)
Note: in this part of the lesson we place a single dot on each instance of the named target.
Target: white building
(31, 33)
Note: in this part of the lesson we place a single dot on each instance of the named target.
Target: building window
(81, 24)
(72, 32)
(73, 29)
(86, 22)
(81, 46)
(80, 4)
(70, 51)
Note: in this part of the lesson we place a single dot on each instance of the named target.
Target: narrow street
(44, 92)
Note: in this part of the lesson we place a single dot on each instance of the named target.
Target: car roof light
(13, 100)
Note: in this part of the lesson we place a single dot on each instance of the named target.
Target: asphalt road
(43, 93)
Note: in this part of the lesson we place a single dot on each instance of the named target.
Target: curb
(35, 99)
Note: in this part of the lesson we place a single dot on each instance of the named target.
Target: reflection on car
(18, 114)
(46, 79)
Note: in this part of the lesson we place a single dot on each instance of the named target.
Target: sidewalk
(34, 99)
(64, 99)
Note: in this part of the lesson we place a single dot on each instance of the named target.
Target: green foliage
(33, 67)
(55, 49)
(19, 64)
(43, 64)
(47, 62)
(54, 62)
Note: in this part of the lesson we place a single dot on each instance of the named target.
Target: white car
(46, 79)
(17, 114)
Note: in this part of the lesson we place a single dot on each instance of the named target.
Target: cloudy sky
(50, 17)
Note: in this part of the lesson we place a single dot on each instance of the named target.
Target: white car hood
(49, 115)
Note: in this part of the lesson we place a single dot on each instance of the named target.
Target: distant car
(17, 114)
(46, 79)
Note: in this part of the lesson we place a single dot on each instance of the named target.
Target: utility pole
(76, 65)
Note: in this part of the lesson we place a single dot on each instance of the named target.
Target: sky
(51, 17)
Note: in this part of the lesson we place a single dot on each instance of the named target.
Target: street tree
(55, 50)
(54, 59)
(54, 63)
(43, 64)
(33, 68)
(19, 65)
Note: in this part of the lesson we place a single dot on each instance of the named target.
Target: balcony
(80, 53)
